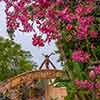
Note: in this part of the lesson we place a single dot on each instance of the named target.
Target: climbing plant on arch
(73, 23)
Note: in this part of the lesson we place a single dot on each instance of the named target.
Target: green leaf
(13, 60)
(30, 9)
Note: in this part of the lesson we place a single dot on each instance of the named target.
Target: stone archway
(11, 86)
(28, 77)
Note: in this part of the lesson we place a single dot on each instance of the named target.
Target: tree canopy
(13, 60)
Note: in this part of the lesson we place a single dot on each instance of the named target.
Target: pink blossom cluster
(66, 15)
(80, 56)
(85, 84)
(88, 1)
(26, 12)
(83, 28)
(97, 69)
(37, 41)
(84, 22)
(43, 3)
(18, 15)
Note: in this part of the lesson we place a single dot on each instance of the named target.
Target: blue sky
(25, 39)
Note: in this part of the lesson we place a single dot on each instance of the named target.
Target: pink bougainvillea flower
(69, 27)
(84, 84)
(86, 20)
(88, 10)
(38, 22)
(81, 35)
(97, 69)
(83, 27)
(89, 1)
(80, 56)
(77, 82)
(63, 12)
(44, 3)
(93, 34)
(59, 2)
(37, 41)
(79, 9)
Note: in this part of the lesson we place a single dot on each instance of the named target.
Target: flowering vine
(88, 84)
(49, 14)
(68, 20)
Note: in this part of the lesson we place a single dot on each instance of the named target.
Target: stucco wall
(55, 92)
